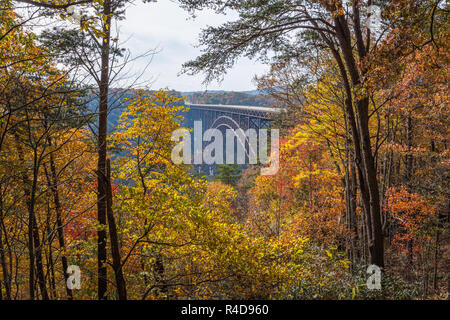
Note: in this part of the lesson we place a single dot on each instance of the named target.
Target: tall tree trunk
(34, 246)
(49, 256)
(53, 185)
(6, 281)
(37, 243)
(358, 122)
(376, 246)
(436, 258)
(408, 175)
(353, 221)
(363, 150)
(114, 239)
(102, 153)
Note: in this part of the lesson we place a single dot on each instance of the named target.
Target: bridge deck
(233, 108)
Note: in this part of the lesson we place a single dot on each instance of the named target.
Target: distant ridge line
(241, 107)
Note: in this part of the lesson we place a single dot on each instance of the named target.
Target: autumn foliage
(363, 177)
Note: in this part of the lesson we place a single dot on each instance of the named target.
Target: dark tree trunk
(115, 249)
(34, 246)
(50, 263)
(6, 276)
(376, 246)
(6, 281)
(37, 244)
(408, 175)
(102, 153)
(53, 185)
(352, 211)
(367, 173)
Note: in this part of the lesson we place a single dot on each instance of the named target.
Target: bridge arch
(227, 122)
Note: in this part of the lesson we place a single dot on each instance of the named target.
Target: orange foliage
(413, 214)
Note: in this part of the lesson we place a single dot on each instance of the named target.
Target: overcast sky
(175, 33)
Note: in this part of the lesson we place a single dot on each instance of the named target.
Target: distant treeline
(230, 98)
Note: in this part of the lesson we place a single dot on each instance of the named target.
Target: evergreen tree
(228, 173)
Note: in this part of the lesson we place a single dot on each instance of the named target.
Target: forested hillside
(230, 98)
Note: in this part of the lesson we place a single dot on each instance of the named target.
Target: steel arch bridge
(223, 117)
(229, 116)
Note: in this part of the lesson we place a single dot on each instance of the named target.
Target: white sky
(168, 27)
